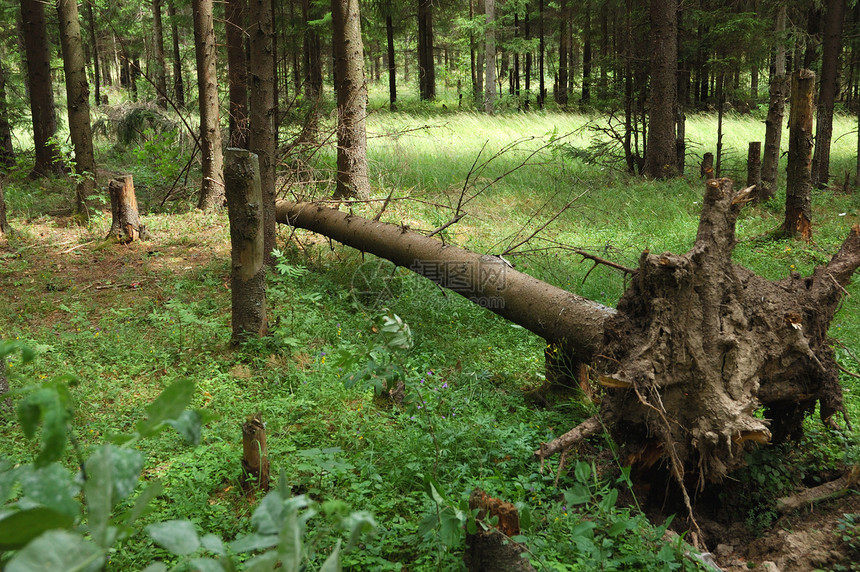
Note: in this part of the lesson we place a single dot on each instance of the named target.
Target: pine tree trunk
(4, 222)
(94, 44)
(754, 166)
(178, 84)
(426, 63)
(39, 83)
(586, 55)
(248, 277)
(490, 55)
(237, 72)
(798, 202)
(392, 67)
(212, 185)
(828, 91)
(541, 55)
(262, 133)
(775, 112)
(351, 88)
(160, 70)
(563, 49)
(660, 159)
(7, 152)
(78, 98)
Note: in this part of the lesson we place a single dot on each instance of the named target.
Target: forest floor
(128, 320)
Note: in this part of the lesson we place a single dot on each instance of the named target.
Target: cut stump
(491, 548)
(125, 226)
(255, 454)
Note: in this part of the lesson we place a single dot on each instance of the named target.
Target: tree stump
(125, 225)
(706, 169)
(798, 186)
(490, 548)
(255, 454)
(245, 210)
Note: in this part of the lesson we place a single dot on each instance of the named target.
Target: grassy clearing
(130, 320)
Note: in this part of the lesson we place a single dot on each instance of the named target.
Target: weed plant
(132, 322)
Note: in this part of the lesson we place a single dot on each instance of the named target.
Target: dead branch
(827, 491)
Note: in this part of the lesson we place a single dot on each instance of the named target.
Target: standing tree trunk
(392, 67)
(682, 91)
(160, 71)
(78, 97)
(660, 159)
(754, 167)
(798, 202)
(490, 55)
(178, 85)
(775, 112)
(351, 89)
(94, 43)
(4, 229)
(828, 90)
(586, 55)
(541, 53)
(248, 278)
(263, 141)
(7, 152)
(212, 185)
(39, 86)
(237, 72)
(563, 52)
(426, 63)
(313, 70)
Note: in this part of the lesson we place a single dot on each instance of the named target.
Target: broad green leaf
(332, 563)
(434, 491)
(263, 563)
(112, 474)
(58, 551)
(620, 527)
(51, 486)
(578, 494)
(268, 517)
(213, 544)
(8, 477)
(156, 567)
(189, 425)
(608, 501)
(167, 406)
(20, 527)
(206, 565)
(584, 529)
(176, 536)
(582, 472)
(252, 542)
(290, 542)
(49, 406)
(358, 523)
(451, 529)
(141, 503)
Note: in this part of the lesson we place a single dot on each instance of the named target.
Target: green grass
(467, 369)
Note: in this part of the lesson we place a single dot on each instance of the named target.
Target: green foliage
(848, 530)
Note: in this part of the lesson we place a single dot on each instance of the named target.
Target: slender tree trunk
(563, 52)
(392, 67)
(4, 229)
(78, 97)
(237, 71)
(7, 152)
(721, 105)
(212, 185)
(313, 60)
(603, 79)
(248, 276)
(351, 89)
(754, 166)
(178, 84)
(586, 55)
(682, 89)
(660, 159)
(775, 112)
(159, 73)
(828, 90)
(490, 53)
(426, 63)
(262, 122)
(39, 83)
(528, 63)
(91, 25)
(798, 202)
(541, 53)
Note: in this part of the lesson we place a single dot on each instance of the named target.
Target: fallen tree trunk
(561, 317)
(697, 347)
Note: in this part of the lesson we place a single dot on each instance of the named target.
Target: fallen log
(560, 317)
(696, 349)
(826, 491)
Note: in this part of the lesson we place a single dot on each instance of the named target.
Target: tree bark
(491, 549)
(255, 454)
(7, 152)
(541, 54)
(554, 314)
(78, 98)
(351, 89)
(178, 84)
(94, 43)
(798, 201)
(426, 63)
(248, 277)
(212, 185)
(490, 55)
(828, 90)
(39, 86)
(754, 167)
(237, 71)
(586, 55)
(160, 70)
(563, 50)
(263, 130)
(775, 112)
(125, 225)
(392, 67)
(4, 223)
(660, 157)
